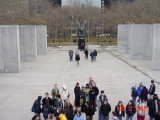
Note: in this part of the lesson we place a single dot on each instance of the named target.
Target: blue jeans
(92, 58)
(120, 117)
(87, 97)
(71, 58)
(134, 100)
(99, 115)
(151, 118)
(129, 117)
(105, 117)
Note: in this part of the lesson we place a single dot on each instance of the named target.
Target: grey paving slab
(18, 91)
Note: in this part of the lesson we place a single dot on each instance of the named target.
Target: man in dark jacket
(92, 56)
(152, 89)
(77, 93)
(38, 106)
(46, 98)
(86, 54)
(105, 110)
(58, 104)
(95, 88)
(46, 109)
(130, 110)
(144, 93)
(154, 108)
(89, 111)
(95, 55)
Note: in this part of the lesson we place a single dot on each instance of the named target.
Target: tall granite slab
(41, 31)
(124, 38)
(9, 49)
(156, 47)
(142, 42)
(28, 43)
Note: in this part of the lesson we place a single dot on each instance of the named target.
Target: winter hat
(144, 85)
(77, 83)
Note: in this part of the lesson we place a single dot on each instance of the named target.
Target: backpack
(33, 109)
(77, 57)
(45, 112)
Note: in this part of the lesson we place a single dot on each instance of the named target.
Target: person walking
(139, 89)
(119, 109)
(152, 89)
(95, 55)
(86, 54)
(141, 110)
(71, 55)
(62, 116)
(78, 116)
(105, 110)
(92, 56)
(77, 58)
(77, 93)
(154, 108)
(38, 106)
(130, 110)
(101, 99)
(134, 94)
(144, 93)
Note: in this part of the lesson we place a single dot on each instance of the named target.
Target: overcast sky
(96, 3)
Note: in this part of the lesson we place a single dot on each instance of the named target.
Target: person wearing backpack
(134, 94)
(144, 93)
(38, 106)
(46, 109)
(77, 58)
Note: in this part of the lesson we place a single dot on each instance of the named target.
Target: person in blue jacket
(78, 116)
(134, 94)
(38, 106)
(139, 89)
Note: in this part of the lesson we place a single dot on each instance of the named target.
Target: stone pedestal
(9, 49)
(124, 38)
(156, 47)
(28, 43)
(142, 42)
(41, 31)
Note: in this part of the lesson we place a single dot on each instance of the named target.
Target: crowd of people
(93, 55)
(88, 101)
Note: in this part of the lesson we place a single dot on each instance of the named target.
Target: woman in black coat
(77, 92)
(130, 110)
(89, 110)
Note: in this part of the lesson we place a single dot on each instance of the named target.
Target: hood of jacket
(64, 86)
(39, 98)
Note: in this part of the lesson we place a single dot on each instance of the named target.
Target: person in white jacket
(141, 110)
(65, 93)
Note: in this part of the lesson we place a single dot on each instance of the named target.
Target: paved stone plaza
(113, 72)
